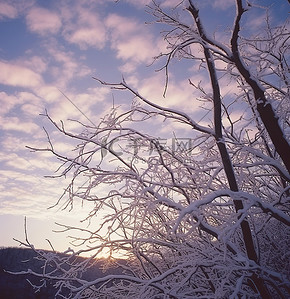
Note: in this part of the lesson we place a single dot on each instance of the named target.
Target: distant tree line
(16, 260)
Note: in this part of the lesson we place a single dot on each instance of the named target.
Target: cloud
(36, 63)
(49, 93)
(140, 3)
(7, 11)
(31, 109)
(86, 37)
(122, 26)
(17, 75)
(153, 87)
(132, 41)
(28, 97)
(18, 197)
(223, 4)
(43, 21)
(64, 66)
(17, 162)
(257, 23)
(13, 143)
(7, 102)
(173, 3)
(91, 104)
(82, 27)
(16, 124)
(164, 3)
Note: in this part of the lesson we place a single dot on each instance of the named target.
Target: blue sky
(52, 47)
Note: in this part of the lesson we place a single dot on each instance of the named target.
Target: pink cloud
(7, 102)
(7, 11)
(18, 163)
(153, 88)
(66, 66)
(140, 3)
(17, 124)
(85, 37)
(136, 48)
(17, 75)
(223, 4)
(132, 41)
(123, 26)
(43, 21)
(84, 28)
(36, 63)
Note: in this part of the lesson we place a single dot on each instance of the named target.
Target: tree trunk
(264, 107)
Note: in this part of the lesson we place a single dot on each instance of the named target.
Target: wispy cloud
(36, 63)
(7, 11)
(132, 41)
(63, 66)
(140, 3)
(153, 88)
(7, 102)
(43, 21)
(86, 107)
(82, 26)
(17, 124)
(17, 75)
(223, 4)
(19, 163)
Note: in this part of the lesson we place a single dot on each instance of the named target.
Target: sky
(49, 52)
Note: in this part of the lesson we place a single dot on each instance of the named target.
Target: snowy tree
(207, 221)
